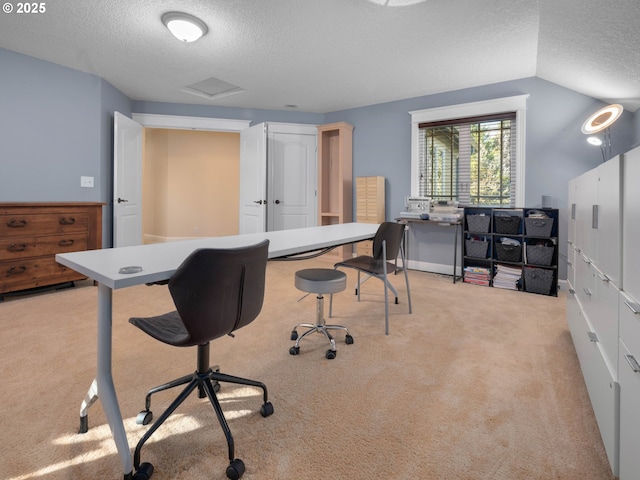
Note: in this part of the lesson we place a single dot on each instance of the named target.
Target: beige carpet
(478, 383)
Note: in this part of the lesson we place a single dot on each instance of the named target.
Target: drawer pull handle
(569, 264)
(587, 292)
(17, 247)
(634, 307)
(586, 259)
(16, 270)
(16, 223)
(633, 363)
(67, 220)
(603, 277)
(66, 242)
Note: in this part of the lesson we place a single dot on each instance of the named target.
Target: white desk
(158, 262)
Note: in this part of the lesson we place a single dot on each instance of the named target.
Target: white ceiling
(329, 55)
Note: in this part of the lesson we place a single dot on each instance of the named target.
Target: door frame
(180, 122)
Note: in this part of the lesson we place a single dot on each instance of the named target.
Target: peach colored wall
(191, 183)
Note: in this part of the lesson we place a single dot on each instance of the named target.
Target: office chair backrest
(391, 233)
(217, 291)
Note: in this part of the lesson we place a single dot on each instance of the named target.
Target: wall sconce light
(600, 121)
(184, 27)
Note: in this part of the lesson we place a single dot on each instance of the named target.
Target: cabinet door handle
(603, 277)
(572, 291)
(593, 336)
(67, 221)
(587, 292)
(594, 217)
(17, 247)
(633, 363)
(16, 223)
(634, 307)
(586, 259)
(569, 264)
(16, 270)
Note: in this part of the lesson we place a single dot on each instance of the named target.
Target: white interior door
(292, 160)
(253, 179)
(127, 182)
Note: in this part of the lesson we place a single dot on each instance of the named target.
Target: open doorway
(190, 185)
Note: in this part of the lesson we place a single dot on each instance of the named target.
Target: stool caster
(294, 350)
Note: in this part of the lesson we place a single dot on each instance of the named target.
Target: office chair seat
(320, 281)
(215, 291)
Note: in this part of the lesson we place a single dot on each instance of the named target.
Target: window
(472, 153)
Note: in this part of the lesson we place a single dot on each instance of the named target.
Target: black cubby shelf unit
(512, 248)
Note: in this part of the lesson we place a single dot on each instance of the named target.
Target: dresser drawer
(14, 225)
(15, 248)
(30, 273)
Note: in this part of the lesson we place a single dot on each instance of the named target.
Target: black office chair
(215, 291)
(387, 245)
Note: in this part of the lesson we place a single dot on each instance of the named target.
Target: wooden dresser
(32, 233)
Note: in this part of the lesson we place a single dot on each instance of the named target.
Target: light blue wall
(49, 131)
(56, 125)
(556, 150)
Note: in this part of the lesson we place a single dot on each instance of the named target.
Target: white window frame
(516, 103)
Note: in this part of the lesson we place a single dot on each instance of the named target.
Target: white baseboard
(148, 238)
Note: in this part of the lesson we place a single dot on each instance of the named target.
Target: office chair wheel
(216, 385)
(144, 472)
(396, 300)
(236, 469)
(348, 339)
(294, 350)
(144, 417)
(294, 335)
(266, 409)
(331, 354)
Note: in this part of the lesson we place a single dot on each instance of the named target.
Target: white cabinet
(608, 212)
(597, 222)
(629, 321)
(629, 388)
(603, 388)
(631, 231)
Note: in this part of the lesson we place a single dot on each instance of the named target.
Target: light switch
(86, 182)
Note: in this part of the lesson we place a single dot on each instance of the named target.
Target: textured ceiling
(328, 55)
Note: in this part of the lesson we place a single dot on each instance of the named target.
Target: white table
(158, 262)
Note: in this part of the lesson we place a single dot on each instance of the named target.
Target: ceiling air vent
(212, 88)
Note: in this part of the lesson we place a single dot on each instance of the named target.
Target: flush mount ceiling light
(184, 27)
(603, 118)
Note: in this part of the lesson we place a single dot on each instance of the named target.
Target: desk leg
(455, 251)
(103, 384)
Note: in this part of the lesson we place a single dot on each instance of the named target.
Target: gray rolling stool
(320, 281)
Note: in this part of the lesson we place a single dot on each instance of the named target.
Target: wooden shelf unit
(370, 206)
(335, 177)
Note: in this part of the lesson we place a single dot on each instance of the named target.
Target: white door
(253, 179)
(127, 182)
(293, 181)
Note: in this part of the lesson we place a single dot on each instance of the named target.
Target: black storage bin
(509, 224)
(540, 254)
(538, 280)
(476, 248)
(538, 227)
(478, 223)
(508, 253)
